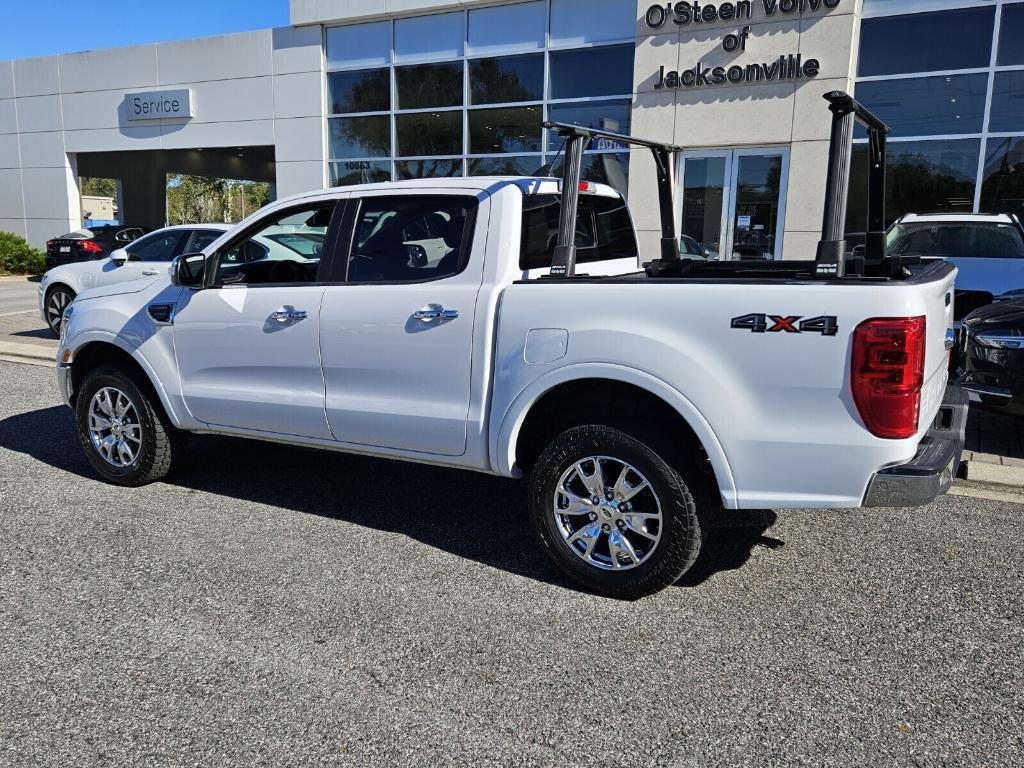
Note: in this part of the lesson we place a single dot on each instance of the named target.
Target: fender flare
(504, 439)
(96, 335)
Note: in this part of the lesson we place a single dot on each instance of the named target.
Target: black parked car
(89, 244)
(992, 355)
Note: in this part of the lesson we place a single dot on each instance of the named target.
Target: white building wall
(252, 88)
(789, 114)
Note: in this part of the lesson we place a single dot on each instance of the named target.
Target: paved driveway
(18, 294)
(276, 606)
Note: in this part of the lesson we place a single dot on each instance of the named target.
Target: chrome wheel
(114, 427)
(56, 303)
(607, 513)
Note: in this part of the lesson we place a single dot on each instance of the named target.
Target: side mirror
(417, 254)
(188, 270)
(119, 257)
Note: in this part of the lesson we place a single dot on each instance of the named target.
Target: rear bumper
(930, 473)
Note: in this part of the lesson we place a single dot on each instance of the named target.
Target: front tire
(613, 514)
(123, 430)
(57, 300)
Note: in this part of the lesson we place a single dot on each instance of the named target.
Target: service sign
(158, 105)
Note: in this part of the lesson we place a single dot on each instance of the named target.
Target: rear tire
(646, 529)
(57, 300)
(123, 429)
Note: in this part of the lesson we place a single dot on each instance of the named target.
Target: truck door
(396, 327)
(248, 343)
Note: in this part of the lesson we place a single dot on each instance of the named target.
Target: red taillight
(888, 372)
(90, 246)
(49, 243)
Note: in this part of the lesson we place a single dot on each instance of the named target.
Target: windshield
(956, 239)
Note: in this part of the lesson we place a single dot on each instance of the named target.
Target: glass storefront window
(505, 165)
(507, 29)
(438, 36)
(612, 115)
(422, 134)
(507, 79)
(435, 168)
(579, 22)
(1007, 102)
(429, 85)
(508, 129)
(611, 168)
(1011, 36)
(359, 91)
(958, 39)
(925, 106)
(359, 45)
(1002, 186)
(360, 172)
(466, 91)
(921, 177)
(358, 137)
(574, 73)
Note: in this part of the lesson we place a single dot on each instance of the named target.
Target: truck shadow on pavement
(475, 516)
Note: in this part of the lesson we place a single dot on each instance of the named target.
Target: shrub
(18, 257)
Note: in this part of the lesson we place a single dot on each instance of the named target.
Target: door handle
(284, 315)
(435, 312)
(150, 272)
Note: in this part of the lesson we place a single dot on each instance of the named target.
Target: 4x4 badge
(826, 325)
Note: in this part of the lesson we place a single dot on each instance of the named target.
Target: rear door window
(604, 230)
(160, 246)
(200, 239)
(411, 238)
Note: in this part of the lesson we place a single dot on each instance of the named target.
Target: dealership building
(375, 90)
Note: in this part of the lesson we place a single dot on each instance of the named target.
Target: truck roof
(528, 185)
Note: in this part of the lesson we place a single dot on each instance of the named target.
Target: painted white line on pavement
(19, 312)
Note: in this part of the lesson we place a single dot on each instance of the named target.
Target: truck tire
(124, 432)
(615, 516)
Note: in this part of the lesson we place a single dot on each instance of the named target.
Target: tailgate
(938, 300)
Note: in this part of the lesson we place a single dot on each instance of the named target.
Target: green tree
(98, 187)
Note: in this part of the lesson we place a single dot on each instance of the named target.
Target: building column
(144, 197)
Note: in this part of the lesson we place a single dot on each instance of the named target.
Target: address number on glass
(826, 325)
(358, 165)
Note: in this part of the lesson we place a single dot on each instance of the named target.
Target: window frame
(350, 223)
(338, 206)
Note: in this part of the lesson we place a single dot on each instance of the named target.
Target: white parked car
(987, 248)
(148, 256)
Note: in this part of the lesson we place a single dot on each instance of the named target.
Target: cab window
(411, 238)
(283, 249)
(604, 230)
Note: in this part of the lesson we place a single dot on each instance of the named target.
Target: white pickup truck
(436, 327)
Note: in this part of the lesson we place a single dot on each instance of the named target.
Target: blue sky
(43, 27)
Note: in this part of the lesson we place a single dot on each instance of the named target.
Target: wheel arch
(527, 423)
(109, 349)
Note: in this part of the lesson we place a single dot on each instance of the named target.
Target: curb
(984, 473)
(28, 353)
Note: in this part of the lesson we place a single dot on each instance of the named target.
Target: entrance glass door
(733, 203)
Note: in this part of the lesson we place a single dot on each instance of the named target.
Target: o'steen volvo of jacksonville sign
(792, 66)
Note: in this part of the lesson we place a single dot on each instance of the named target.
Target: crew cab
(502, 325)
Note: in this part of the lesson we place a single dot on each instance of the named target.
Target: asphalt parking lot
(275, 606)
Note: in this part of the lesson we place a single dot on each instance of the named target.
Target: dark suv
(89, 244)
